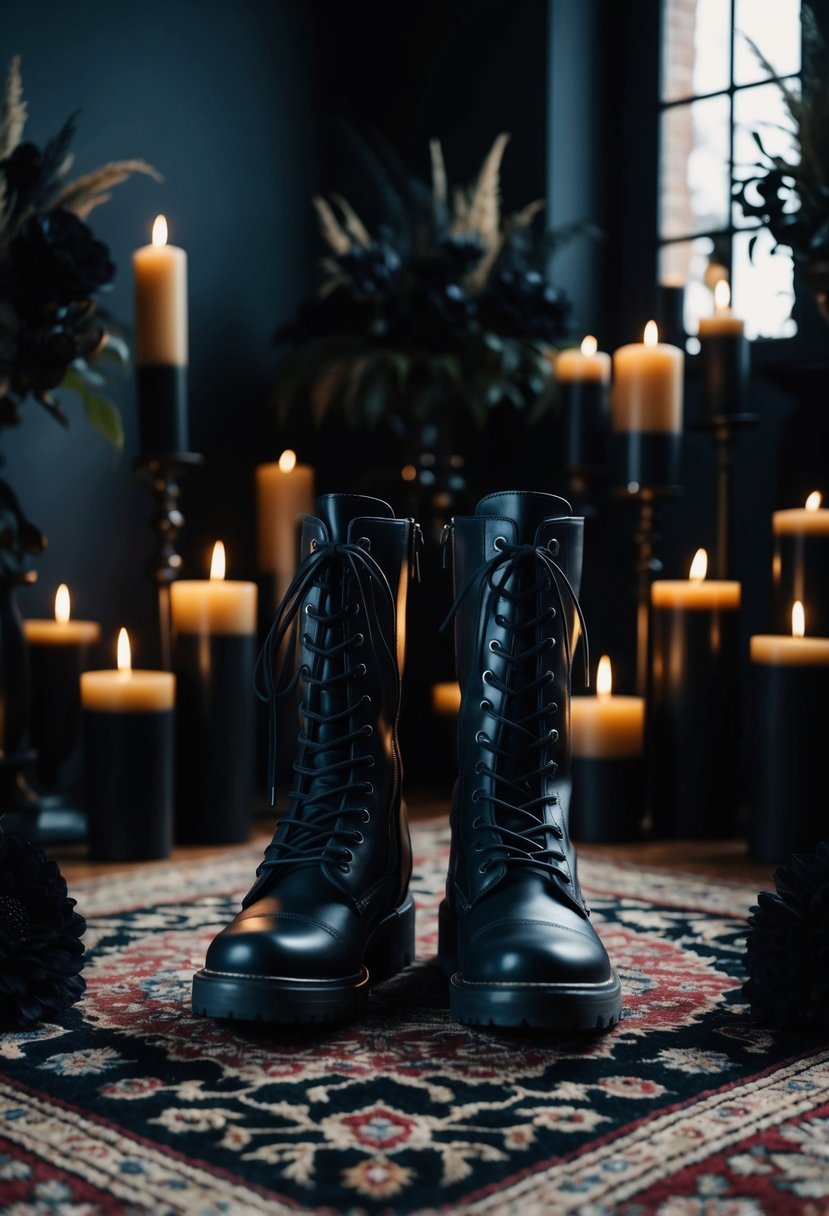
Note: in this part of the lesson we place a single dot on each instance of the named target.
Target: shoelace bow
(526, 843)
(329, 567)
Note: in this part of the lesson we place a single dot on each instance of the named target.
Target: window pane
(774, 27)
(762, 286)
(694, 173)
(696, 47)
(687, 262)
(763, 110)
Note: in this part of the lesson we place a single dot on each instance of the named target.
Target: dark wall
(220, 98)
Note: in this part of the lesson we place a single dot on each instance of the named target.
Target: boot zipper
(445, 537)
(415, 549)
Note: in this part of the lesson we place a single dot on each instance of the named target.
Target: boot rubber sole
(559, 1007)
(285, 1000)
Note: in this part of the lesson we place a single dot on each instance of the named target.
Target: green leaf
(100, 413)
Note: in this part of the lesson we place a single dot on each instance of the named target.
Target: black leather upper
(513, 884)
(340, 859)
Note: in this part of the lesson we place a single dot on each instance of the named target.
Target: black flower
(55, 257)
(22, 171)
(521, 304)
(41, 952)
(787, 950)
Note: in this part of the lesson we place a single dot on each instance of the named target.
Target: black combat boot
(515, 938)
(330, 912)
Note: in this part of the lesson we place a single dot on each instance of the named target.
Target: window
(715, 92)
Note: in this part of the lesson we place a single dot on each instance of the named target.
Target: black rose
(520, 304)
(55, 259)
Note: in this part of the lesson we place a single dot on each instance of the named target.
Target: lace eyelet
(486, 678)
(306, 639)
(551, 677)
(313, 546)
(498, 547)
(365, 543)
(355, 608)
(476, 823)
(481, 737)
(370, 762)
(483, 869)
(551, 642)
(479, 767)
(477, 846)
(308, 611)
(366, 815)
(368, 729)
(358, 838)
(552, 708)
(475, 795)
(358, 639)
(361, 669)
(553, 736)
(368, 786)
(495, 646)
(554, 547)
(486, 706)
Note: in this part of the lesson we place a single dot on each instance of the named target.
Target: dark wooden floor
(724, 859)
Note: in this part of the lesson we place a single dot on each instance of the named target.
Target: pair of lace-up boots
(330, 913)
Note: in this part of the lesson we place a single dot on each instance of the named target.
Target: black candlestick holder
(646, 469)
(724, 429)
(165, 472)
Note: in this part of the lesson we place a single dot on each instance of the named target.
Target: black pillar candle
(789, 810)
(607, 734)
(583, 380)
(128, 729)
(800, 566)
(670, 313)
(161, 343)
(724, 360)
(214, 644)
(647, 412)
(694, 708)
(59, 651)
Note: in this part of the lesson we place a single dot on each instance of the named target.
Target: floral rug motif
(686, 1109)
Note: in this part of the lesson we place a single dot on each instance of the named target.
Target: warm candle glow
(124, 654)
(604, 677)
(722, 296)
(62, 607)
(651, 334)
(699, 566)
(814, 500)
(160, 230)
(798, 620)
(287, 461)
(218, 562)
(589, 346)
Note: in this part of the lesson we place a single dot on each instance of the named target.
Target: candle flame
(798, 620)
(699, 566)
(124, 653)
(62, 607)
(589, 346)
(814, 500)
(722, 296)
(160, 230)
(287, 461)
(604, 677)
(218, 562)
(651, 334)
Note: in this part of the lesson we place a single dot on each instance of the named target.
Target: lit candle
(694, 735)
(646, 411)
(161, 343)
(214, 640)
(789, 730)
(284, 493)
(583, 377)
(128, 759)
(607, 734)
(724, 358)
(59, 651)
(800, 565)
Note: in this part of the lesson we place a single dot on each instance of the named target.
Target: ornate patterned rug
(685, 1110)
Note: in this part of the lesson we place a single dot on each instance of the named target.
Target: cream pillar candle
(648, 385)
(214, 605)
(585, 363)
(607, 726)
(800, 565)
(446, 699)
(161, 343)
(284, 493)
(127, 690)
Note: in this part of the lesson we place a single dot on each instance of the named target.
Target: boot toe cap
(280, 945)
(530, 951)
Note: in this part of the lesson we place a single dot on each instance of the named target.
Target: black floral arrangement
(448, 300)
(53, 335)
(787, 949)
(791, 197)
(41, 952)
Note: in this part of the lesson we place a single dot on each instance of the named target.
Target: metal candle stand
(646, 467)
(165, 472)
(724, 428)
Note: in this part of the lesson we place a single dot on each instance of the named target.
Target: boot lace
(330, 762)
(516, 833)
